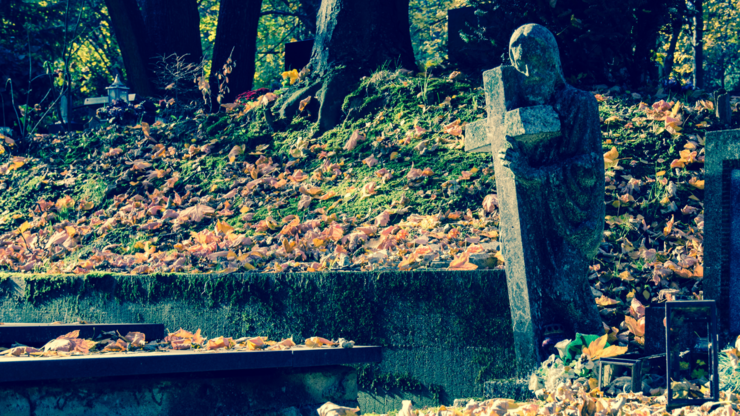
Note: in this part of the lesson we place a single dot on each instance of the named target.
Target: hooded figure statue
(549, 171)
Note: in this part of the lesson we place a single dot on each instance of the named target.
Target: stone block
(722, 225)
(417, 317)
(476, 137)
(532, 125)
(722, 107)
(510, 388)
(263, 392)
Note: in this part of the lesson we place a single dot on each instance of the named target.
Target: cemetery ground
(390, 189)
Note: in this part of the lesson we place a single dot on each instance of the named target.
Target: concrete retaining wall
(444, 333)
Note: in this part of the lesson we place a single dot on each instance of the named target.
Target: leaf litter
(381, 192)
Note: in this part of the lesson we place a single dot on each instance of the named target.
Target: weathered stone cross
(546, 143)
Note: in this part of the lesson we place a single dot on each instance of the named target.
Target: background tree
(698, 10)
(47, 47)
(722, 43)
(598, 40)
(236, 37)
(353, 38)
(136, 50)
(173, 26)
(679, 13)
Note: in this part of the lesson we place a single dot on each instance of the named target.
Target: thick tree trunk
(676, 27)
(236, 36)
(353, 38)
(362, 34)
(131, 34)
(173, 27)
(310, 9)
(698, 44)
(649, 20)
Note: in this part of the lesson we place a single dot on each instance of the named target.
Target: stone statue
(546, 143)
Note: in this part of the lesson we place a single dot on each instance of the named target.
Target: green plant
(729, 372)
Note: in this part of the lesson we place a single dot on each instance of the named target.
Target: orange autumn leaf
(327, 196)
(117, 346)
(223, 227)
(220, 342)
(235, 151)
(453, 128)
(598, 349)
(636, 326)
(606, 301)
(461, 263)
(65, 202)
(256, 343)
(314, 342)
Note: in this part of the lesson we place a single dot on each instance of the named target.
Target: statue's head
(534, 52)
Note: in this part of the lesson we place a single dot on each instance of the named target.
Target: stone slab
(275, 392)
(36, 335)
(476, 137)
(721, 278)
(532, 124)
(152, 363)
(513, 388)
(104, 100)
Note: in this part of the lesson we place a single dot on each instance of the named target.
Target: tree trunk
(676, 27)
(131, 34)
(362, 34)
(310, 9)
(353, 38)
(698, 44)
(236, 31)
(649, 20)
(173, 27)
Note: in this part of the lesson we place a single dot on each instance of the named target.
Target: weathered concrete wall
(443, 333)
(254, 392)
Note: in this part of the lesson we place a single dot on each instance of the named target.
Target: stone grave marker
(722, 107)
(722, 225)
(546, 144)
(298, 54)
(476, 137)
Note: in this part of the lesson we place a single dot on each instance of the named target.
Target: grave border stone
(174, 362)
(722, 157)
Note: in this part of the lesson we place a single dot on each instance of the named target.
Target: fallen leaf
(197, 212)
(354, 140)
(331, 409)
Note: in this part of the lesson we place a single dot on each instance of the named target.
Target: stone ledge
(153, 363)
(283, 392)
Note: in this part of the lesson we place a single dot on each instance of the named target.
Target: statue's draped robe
(571, 197)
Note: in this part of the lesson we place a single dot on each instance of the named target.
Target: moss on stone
(451, 314)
